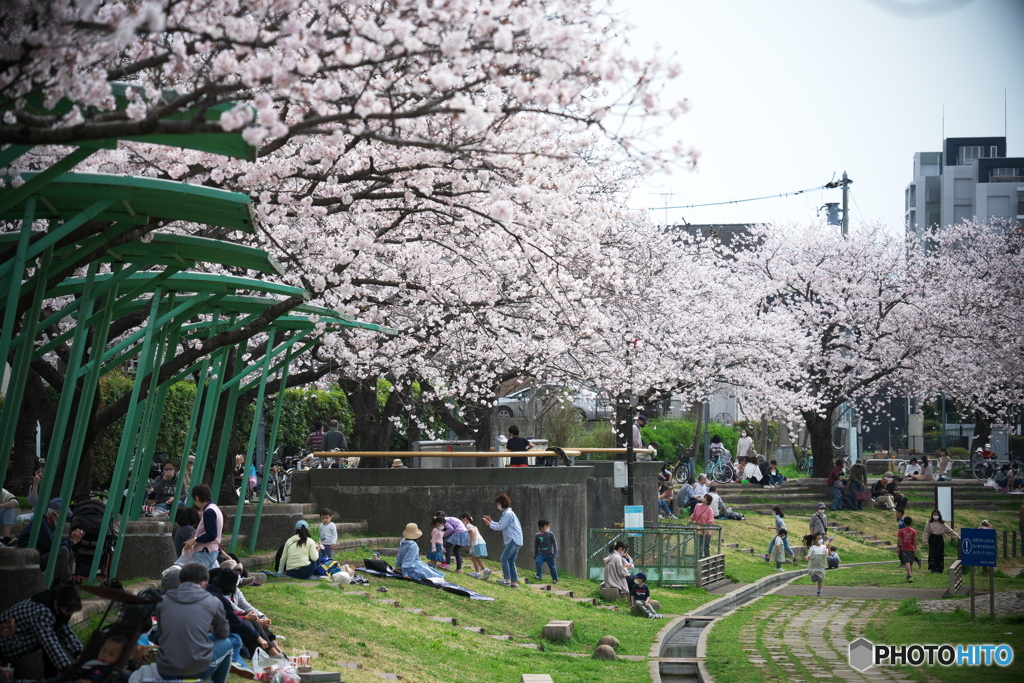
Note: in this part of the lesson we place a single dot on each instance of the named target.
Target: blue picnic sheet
(444, 585)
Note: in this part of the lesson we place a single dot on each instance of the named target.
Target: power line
(738, 201)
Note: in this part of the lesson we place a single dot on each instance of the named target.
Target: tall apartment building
(972, 177)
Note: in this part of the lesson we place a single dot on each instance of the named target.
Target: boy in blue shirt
(545, 549)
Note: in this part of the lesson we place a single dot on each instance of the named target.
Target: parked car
(589, 403)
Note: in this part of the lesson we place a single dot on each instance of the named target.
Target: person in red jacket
(906, 545)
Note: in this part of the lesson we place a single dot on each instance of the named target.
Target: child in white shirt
(328, 534)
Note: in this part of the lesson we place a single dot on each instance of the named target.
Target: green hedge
(667, 434)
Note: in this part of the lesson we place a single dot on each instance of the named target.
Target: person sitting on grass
(833, 557)
(775, 478)
(408, 562)
(640, 596)
(299, 556)
(686, 497)
(665, 497)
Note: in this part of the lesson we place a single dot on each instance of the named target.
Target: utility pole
(846, 204)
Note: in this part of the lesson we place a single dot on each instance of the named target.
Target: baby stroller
(87, 515)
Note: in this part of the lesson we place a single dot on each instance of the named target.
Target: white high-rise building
(971, 178)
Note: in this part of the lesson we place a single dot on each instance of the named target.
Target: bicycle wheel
(681, 473)
(721, 473)
(982, 470)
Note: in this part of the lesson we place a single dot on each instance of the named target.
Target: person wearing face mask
(43, 623)
(744, 446)
(817, 558)
(818, 524)
(934, 530)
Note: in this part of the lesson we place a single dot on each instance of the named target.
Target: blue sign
(978, 547)
(634, 517)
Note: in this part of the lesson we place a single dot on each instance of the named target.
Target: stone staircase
(805, 494)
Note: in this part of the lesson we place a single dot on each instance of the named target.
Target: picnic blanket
(443, 585)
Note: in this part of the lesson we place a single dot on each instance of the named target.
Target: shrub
(957, 452)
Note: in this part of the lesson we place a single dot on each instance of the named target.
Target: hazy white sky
(787, 93)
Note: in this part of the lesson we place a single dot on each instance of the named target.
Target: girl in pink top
(436, 553)
(703, 514)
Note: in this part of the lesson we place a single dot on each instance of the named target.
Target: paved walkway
(1007, 603)
(809, 590)
(808, 640)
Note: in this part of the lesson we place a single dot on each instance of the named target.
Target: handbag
(862, 495)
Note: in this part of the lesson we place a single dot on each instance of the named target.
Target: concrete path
(808, 590)
(806, 640)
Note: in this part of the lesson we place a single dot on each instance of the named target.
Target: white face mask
(818, 542)
(743, 433)
(935, 517)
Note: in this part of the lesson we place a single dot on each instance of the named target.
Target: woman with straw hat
(408, 562)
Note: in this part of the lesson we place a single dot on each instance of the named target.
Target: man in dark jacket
(45, 542)
(164, 488)
(184, 617)
(42, 623)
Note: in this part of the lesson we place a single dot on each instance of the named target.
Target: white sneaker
(474, 575)
(504, 582)
(487, 574)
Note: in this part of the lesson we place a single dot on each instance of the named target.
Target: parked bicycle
(984, 465)
(720, 468)
(683, 470)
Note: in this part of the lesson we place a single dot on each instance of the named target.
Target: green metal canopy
(215, 141)
(133, 200)
(186, 283)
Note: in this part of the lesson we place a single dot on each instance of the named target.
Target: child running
(817, 558)
(545, 549)
(906, 543)
(477, 548)
(328, 534)
(436, 553)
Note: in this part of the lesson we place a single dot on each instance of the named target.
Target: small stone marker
(558, 630)
(611, 594)
(357, 594)
(412, 610)
(610, 641)
(474, 629)
(535, 678)
(445, 620)
(320, 677)
(589, 601)
(604, 652)
(567, 594)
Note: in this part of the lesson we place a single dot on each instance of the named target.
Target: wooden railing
(710, 569)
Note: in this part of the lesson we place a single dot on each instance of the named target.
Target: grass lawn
(905, 624)
(911, 625)
(384, 639)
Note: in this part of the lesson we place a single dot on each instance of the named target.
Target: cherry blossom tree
(409, 153)
(859, 303)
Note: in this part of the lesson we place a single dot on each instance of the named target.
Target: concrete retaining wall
(19, 575)
(389, 499)
(605, 502)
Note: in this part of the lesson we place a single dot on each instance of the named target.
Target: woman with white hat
(299, 556)
(408, 562)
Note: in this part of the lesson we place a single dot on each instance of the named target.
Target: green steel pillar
(90, 385)
(213, 391)
(129, 435)
(229, 424)
(260, 395)
(67, 399)
(271, 443)
(12, 405)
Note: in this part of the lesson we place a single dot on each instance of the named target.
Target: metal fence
(666, 554)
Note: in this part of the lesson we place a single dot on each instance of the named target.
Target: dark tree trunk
(819, 428)
(698, 433)
(982, 430)
(623, 424)
(373, 429)
(23, 458)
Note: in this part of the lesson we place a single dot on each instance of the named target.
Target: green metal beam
(11, 153)
(128, 438)
(260, 395)
(18, 266)
(41, 180)
(84, 411)
(67, 398)
(229, 423)
(271, 444)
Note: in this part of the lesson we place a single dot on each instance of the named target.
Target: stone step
(474, 629)
(747, 550)
(412, 610)
(568, 594)
(589, 601)
(499, 637)
(529, 646)
(445, 620)
(732, 545)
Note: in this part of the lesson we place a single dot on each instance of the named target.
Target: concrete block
(356, 594)
(19, 575)
(148, 549)
(611, 594)
(445, 620)
(559, 630)
(320, 677)
(567, 594)
(474, 629)
(529, 646)
(535, 678)
(412, 610)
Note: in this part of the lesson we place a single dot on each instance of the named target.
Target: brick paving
(808, 640)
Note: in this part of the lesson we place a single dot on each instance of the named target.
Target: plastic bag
(273, 669)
